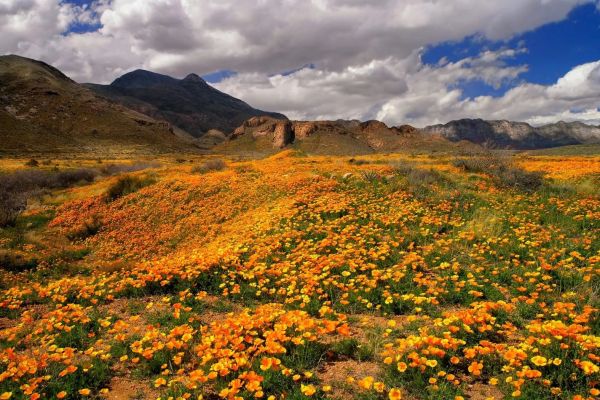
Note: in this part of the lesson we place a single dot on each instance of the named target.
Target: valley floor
(375, 277)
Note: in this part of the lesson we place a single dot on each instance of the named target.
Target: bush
(11, 205)
(371, 176)
(88, 228)
(17, 187)
(418, 176)
(114, 169)
(211, 165)
(513, 177)
(15, 262)
(502, 172)
(32, 163)
(126, 185)
(358, 161)
(478, 163)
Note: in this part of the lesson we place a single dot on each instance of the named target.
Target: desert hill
(190, 103)
(517, 135)
(42, 110)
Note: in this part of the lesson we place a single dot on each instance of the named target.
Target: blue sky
(552, 50)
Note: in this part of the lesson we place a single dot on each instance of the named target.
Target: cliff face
(516, 135)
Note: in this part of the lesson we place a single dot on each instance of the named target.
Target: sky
(416, 62)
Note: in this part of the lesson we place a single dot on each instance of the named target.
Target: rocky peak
(142, 79)
(194, 78)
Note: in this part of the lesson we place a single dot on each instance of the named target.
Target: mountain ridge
(189, 103)
(504, 134)
(41, 109)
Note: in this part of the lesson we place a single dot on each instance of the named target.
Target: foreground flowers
(261, 281)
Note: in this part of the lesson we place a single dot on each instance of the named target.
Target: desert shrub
(126, 185)
(358, 161)
(11, 205)
(424, 177)
(514, 177)
(35, 180)
(17, 187)
(89, 227)
(503, 172)
(69, 178)
(210, 165)
(370, 176)
(114, 169)
(479, 163)
(417, 176)
(32, 163)
(15, 262)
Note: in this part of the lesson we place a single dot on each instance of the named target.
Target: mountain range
(42, 110)
(516, 135)
(190, 103)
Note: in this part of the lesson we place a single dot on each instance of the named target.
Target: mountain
(265, 134)
(190, 103)
(42, 110)
(516, 135)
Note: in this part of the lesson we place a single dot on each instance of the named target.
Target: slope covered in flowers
(312, 277)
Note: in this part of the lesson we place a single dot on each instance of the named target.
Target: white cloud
(570, 98)
(366, 53)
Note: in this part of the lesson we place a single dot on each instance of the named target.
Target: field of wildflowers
(295, 277)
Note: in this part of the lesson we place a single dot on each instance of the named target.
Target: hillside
(42, 110)
(190, 103)
(517, 135)
(267, 135)
(308, 277)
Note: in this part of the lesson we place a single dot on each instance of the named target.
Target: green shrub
(127, 185)
(371, 176)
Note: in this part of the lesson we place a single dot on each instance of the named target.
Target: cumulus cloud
(570, 98)
(269, 36)
(367, 54)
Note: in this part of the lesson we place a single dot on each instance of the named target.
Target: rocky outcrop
(516, 135)
(280, 132)
(283, 134)
(303, 129)
(367, 136)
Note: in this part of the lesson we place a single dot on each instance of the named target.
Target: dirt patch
(6, 323)
(480, 391)
(128, 389)
(336, 374)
